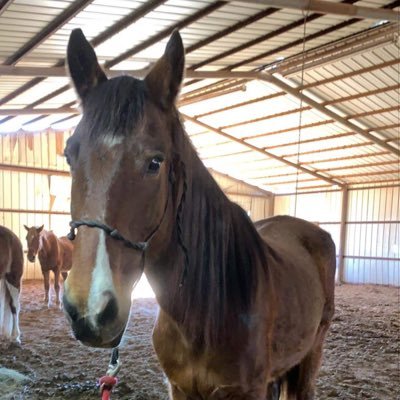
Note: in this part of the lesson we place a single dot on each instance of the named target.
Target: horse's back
(301, 241)
(294, 235)
(66, 248)
(301, 263)
(11, 255)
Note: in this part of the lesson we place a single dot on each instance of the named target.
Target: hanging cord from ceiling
(305, 12)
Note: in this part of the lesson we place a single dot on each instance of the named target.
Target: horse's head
(32, 240)
(121, 159)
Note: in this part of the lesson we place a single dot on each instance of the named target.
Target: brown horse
(241, 306)
(11, 269)
(55, 254)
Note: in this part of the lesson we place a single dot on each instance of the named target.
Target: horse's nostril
(109, 312)
(83, 331)
(71, 310)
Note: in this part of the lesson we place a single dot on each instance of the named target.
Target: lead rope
(109, 380)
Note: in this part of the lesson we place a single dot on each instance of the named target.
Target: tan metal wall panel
(26, 197)
(372, 249)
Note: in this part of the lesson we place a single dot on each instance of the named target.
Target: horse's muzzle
(31, 258)
(95, 330)
(84, 332)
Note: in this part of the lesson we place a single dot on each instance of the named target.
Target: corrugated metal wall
(256, 202)
(373, 237)
(33, 192)
(35, 187)
(372, 246)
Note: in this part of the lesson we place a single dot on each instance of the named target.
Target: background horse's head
(121, 158)
(33, 241)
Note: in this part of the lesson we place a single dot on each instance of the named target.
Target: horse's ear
(165, 78)
(26, 227)
(40, 229)
(83, 66)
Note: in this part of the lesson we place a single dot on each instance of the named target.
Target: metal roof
(284, 98)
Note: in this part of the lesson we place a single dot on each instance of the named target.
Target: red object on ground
(106, 384)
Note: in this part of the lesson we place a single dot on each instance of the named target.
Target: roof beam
(328, 7)
(39, 111)
(150, 41)
(232, 28)
(349, 167)
(278, 94)
(262, 151)
(59, 71)
(47, 72)
(282, 30)
(338, 148)
(275, 33)
(4, 5)
(102, 37)
(48, 30)
(338, 50)
(164, 33)
(295, 92)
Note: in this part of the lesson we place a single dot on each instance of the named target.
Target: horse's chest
(48, 259)
(197, 375)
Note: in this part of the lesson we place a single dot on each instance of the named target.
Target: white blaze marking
(102, 280)
(112, 140)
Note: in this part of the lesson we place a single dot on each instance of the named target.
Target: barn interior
(292, 105)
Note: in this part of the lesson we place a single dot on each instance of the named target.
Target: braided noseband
(114, 233)
(142, 246)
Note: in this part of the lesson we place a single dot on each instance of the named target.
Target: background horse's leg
(46, 277)
(57, 285)
(274, 390)
(15, 307)
(175, 393)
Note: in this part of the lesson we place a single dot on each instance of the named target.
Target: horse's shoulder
(65, 242)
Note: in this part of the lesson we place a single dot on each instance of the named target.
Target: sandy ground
(362, 359)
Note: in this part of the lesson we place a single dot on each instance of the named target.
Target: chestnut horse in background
(244, 308)
(11, 269)
(55, 254)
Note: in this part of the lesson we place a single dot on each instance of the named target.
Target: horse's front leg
(15, 307)
(46, 277)
(57, 287)
(176, 394)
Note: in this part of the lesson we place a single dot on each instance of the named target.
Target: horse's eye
(154, 165)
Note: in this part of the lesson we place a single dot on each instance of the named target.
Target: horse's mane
(226, 255)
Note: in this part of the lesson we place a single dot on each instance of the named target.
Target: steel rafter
(59, 21)
(262, 151)
(329, 7)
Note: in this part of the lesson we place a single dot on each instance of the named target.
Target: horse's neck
(225, 254)
(45, 243)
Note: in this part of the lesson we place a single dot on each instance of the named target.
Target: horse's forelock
(114, 108)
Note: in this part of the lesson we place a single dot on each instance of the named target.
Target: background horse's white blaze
(102, 280)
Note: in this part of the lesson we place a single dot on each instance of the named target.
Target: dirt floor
(362, 359)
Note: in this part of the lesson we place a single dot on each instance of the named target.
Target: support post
(343, 232)
(271, 206)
